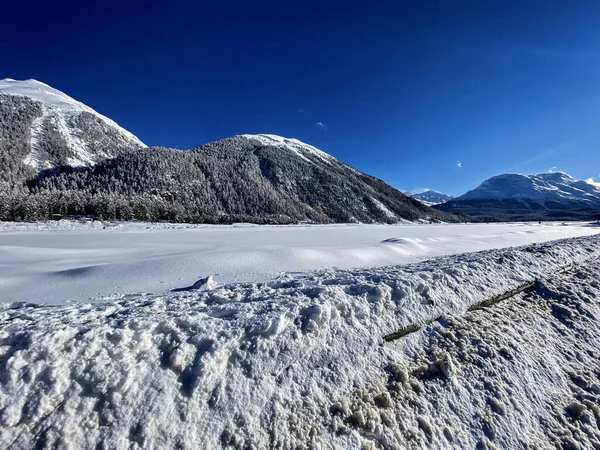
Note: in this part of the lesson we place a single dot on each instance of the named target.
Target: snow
(384, 208)
(291, 144)
(58, 262)
(555, 186)
(58, 107)
(56, 100)
(592, 182)
(300, 362)
(33, 159)
(430, 197)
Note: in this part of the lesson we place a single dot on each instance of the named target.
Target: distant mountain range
(548, 196)
(60, 157)
(431, 197)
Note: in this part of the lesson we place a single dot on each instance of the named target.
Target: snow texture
(431, 197)
(58, 108)
(300, 362)
(384, 209)
(58, 262)
(291, 144)
(555, 186)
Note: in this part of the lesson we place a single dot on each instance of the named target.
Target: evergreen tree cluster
(239, 179)
(16, 117)
(232, 180)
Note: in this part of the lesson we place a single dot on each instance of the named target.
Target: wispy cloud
(459, 164)
(552, 169)
(540, 156)
(321, 126)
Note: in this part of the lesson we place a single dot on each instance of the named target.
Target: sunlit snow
(300, 362)
(57, 262)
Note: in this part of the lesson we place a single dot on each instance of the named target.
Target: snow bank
(300, 362)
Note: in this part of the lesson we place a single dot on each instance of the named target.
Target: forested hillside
(237, 179)
(60, 157)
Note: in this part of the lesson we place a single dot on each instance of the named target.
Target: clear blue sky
(403, 90)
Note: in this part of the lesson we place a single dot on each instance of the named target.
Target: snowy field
(55, 263)
(301, 362)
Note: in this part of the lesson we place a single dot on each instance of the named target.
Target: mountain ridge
(230, 180)
(262, 178)
(47, 128)
(431, 197)
(555, 195)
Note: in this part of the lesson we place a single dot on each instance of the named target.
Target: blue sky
(401, 90)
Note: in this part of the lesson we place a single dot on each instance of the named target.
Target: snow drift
(300, 362)
(66, 261)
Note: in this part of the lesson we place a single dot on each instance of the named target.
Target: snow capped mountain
(431, 197)
(541, 188)
(264, 178)
(247, 178)
(592, 182)
(56, 100)
(308, 177)
(48, 128)
(542, 196)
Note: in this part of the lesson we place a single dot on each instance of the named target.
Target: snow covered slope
(260, 179)
(58, 263)
(59, 129)
(303, 174)
(431, 197)
(549, 195)
(292, 144)
(301, 362)
(248, 178)
(542, 188)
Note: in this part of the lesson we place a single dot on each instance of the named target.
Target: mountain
(41, 128)
(254, 178)
(548, 196)
(431, 197)
(59, 156)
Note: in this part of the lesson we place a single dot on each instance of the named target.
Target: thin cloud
(552, 169)
(321, 126)
(528, 162)
(459, 164)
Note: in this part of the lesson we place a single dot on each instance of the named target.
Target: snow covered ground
(69, 262)
(300, 362)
